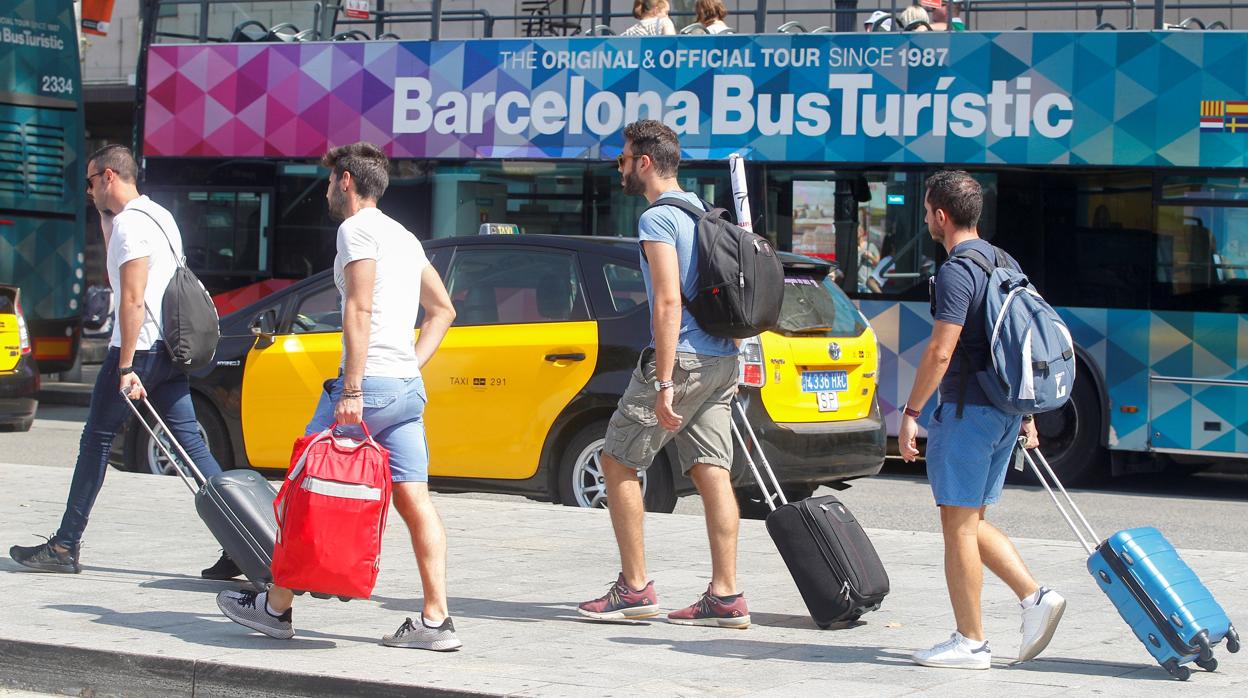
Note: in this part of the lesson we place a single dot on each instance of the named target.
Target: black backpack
(189, 324)
(740, 278)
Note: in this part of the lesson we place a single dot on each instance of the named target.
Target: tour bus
(1114, 166)
(41, 174)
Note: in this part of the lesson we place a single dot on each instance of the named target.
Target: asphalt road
(1202, 511)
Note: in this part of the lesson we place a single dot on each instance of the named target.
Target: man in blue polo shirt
(969, 441)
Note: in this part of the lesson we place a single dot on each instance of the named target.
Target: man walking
(143, 245)
(969, 441)
(384, 279)
(681, 390)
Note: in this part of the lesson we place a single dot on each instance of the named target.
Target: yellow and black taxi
(548, 329)
(19, 376)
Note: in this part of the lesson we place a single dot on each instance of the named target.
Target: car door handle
(578, 356)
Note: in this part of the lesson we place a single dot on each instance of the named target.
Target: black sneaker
(45, 558)
(224, 569)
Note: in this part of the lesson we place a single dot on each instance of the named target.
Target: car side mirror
(264, 329)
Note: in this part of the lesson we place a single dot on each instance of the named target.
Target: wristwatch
(125, 370)
(660, 386)
(909, 412)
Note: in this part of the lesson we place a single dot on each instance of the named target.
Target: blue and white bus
(1115, 166)
(41, 173)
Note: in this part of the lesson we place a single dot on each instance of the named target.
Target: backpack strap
(978, 259)
(177, 263)
(684, 205)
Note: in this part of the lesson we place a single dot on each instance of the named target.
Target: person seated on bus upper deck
(879, 21)
(711, 14)
(943, 19)
(653, 19)
(914, 18)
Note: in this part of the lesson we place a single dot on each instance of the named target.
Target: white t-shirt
(652, 26)
(136, 236)
(371, 234)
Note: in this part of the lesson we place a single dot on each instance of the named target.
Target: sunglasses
(91, 177)
(622, 158)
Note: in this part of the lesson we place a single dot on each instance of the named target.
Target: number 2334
(57, 85)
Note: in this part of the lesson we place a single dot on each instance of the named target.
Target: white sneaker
(1039, 622)
(956, 653)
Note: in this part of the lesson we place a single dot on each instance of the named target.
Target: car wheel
(1070, 437)
(142, 455)
(582, 482)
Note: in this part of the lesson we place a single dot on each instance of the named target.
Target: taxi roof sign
(499, 229)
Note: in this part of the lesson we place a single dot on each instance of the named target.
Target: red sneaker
(723, 612)
(622, 603)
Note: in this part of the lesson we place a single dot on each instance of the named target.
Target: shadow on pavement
(1087, 667)
(759, 650)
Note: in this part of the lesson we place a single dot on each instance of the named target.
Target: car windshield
(814, 306)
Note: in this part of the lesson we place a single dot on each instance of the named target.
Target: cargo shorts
(702, 395)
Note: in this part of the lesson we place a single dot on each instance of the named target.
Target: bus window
(225, 233)
(1200, 260)
(894, 251)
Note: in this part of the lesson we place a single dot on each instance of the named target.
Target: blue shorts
(394, 410)
(967, 458)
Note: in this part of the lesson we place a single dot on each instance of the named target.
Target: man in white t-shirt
(143, 244)
(384, 279)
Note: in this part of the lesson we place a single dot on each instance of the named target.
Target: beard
(337, 205)
(633, 185)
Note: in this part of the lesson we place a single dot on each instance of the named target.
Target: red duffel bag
(331, 512)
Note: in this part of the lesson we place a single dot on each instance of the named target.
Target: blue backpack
(1031, 367)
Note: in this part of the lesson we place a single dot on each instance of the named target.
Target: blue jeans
(169, 392)
(394, 410)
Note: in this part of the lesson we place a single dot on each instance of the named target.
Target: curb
(74, 394)
(37, 666)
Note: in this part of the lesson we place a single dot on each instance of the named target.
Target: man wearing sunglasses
(680, 391)
(143, 245)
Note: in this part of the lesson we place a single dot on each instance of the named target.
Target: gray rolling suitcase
(236, 505)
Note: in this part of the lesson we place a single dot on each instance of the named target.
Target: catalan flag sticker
(1223, 115)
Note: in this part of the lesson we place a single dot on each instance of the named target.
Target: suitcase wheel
(823, 626)
(1176, 670)
(345, 599)
(1211, 665)
(1232, 641)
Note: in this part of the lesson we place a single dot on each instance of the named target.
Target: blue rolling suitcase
(1167, 606)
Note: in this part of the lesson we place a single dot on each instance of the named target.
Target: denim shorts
(394, 410)
(967, 457)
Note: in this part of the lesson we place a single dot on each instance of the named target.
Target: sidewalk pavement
(139, 621)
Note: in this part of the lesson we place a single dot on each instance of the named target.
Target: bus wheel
(1070, 437)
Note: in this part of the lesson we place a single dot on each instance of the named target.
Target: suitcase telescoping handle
(772, 493)
(1033, 455)
(186, 459)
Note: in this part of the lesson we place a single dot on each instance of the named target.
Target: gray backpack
(188, 318)
(1031, 355)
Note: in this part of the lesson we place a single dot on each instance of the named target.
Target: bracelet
(1028, 418)
(125, 370)
(909, 412)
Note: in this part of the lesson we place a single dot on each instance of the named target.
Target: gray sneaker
(440, 638)
(249, 609)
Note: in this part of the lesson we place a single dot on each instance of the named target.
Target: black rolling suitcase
(236, 505)
(829, 556)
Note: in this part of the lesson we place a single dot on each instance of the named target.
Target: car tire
(1070, 437)
(141, 456)
(582, 484)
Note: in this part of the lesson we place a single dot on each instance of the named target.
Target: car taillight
(751, 361)
(22, 333)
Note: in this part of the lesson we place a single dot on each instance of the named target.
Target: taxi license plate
(828, 402)
(825, 381)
